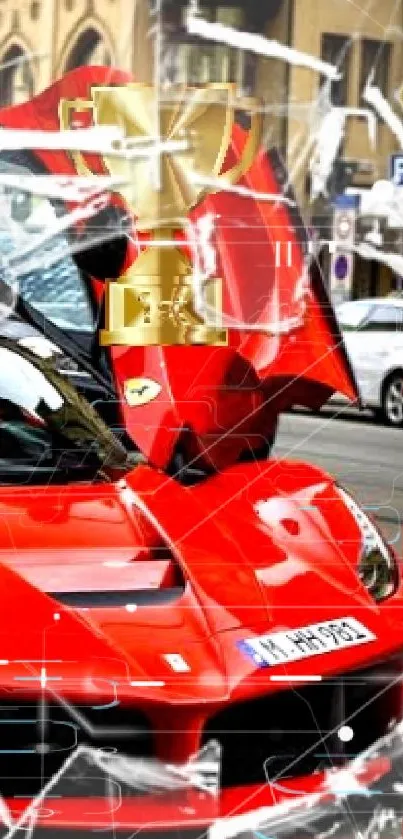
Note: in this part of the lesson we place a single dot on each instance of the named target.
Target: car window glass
(46, 276)
(352, 315)
(34, 395)
(385, 319)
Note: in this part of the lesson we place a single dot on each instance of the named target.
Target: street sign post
(396, 169)
(342, 257)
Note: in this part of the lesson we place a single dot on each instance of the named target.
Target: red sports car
(169, 589)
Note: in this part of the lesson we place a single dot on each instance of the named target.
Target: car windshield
(352, 315)
(48, 432)
(36, 255)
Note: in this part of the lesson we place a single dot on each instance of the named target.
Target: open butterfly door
(284, 347)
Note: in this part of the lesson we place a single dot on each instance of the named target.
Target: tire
(392, 400)
(379, 415)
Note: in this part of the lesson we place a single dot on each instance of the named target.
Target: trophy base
(143, 311)
(146, 336)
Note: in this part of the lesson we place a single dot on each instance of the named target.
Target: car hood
(243, 554)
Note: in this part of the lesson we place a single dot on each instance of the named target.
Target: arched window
(16, 77)
(89, 49)
(190, 59)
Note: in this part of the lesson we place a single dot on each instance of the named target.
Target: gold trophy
(186, 133)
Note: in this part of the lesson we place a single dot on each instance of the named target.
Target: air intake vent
(38, 737)
(294, 733)
(114, 599)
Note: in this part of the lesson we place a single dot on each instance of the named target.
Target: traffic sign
(344, 226)
(342, 259)
(347, 201)
(341, 266)
(396, 169)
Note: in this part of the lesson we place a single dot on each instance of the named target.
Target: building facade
(42, 39)
(365, 42)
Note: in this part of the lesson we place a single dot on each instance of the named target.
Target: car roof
(379, 301)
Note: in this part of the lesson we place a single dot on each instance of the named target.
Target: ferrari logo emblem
(140, 391)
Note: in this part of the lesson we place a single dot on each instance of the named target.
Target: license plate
(315, 639)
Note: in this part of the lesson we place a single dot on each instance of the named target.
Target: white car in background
(373, 334)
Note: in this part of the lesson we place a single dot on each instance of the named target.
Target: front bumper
(79, 798)
(251, 810)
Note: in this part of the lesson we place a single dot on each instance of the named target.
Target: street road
(366, 457)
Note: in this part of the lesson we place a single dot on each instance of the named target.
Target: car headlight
(377, 568)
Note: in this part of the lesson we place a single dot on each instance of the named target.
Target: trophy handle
(251, 146)
(65, 108)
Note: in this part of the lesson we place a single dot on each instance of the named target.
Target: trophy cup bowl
(174, 147)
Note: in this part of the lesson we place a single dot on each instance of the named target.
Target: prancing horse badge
(140, 391)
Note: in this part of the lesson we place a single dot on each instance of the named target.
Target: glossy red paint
(240, 573)
(256, 548)
(221, 401)
(244, 573)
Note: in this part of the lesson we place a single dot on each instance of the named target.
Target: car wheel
(378, 414)
(392, 400)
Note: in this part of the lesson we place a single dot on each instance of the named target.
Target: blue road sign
(396, 169)
(341, 267)
(345, 201)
